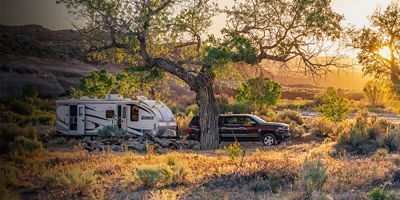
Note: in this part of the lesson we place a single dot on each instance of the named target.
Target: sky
(54, 16)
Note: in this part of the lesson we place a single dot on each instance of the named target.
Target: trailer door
(81, 119)
(123, 118)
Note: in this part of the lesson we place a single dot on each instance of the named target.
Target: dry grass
(198, 175)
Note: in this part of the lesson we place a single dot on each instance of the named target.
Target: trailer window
(110, 113)
(134, 113)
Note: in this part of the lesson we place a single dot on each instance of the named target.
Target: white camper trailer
(85, 116)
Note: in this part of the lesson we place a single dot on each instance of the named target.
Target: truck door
(81, 120)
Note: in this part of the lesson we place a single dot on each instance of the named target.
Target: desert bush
(150, 176)
(26, 144)
(183, 121)
(273, 182)
(296, 130)
(74, 180)
(291, 115)
(180, 174)
(20, 107)
(162, 195)
(234, 150)
(321, 126)
(111, 131)
(378, 194)
(312, 176)
(393, 139)
(9, 132)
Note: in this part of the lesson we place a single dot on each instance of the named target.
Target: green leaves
(260, 91)
(128, 81)
(234, 48)
(334, 106)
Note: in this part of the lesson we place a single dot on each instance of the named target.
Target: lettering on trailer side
(147, 117)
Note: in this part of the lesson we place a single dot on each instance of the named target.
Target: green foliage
(125, 83)
(234, 150)
(312, 176)
(236, 108)
(150, 176)
(259, 91)
(111, 131)
(334, 106)
(273, 182)
(378, 194)
(29, 90)
(234, 48)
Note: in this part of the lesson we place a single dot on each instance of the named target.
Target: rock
(138, 146)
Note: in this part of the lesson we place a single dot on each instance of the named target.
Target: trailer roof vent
(84, 98)
(111, 97)
(142, 98)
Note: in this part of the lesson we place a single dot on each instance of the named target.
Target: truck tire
(269, 139)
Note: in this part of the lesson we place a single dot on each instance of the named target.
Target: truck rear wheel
(269, 139)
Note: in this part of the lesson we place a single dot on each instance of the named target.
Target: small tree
(334, 106)
(374, 91)
(260, 91)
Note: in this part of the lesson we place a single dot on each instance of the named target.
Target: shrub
(163, 195)
(9, 132)
(323, 127)
(312, 176)
(292, 116)
(234, 150)
(183, 121)
(75, 180)
(273, 182)
(393, 139)
(296, 131)
(149, 176)
(111, 131)
(26, 144)
(180, 174)
(29, 90)
(20, 107)
(378, 194)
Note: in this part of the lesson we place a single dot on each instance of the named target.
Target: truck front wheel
(269, 139)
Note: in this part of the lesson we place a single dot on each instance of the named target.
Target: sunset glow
(385, 52)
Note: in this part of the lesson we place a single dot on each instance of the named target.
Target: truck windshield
(258, 119)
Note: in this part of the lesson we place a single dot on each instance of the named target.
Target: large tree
(379, 45)
(169, 35)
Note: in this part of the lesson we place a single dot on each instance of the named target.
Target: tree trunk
(209, 138)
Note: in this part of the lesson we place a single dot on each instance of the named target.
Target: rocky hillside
(50, 60)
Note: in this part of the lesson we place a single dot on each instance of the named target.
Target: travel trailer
(85, 116)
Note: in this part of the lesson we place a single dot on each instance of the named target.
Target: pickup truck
(244, 126)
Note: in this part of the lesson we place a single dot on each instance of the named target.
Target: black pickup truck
(245, 126)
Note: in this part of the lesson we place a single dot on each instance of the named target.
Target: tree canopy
(259, 91)
(284, 30)
(379, 45)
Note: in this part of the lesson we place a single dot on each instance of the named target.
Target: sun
(385, 52)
